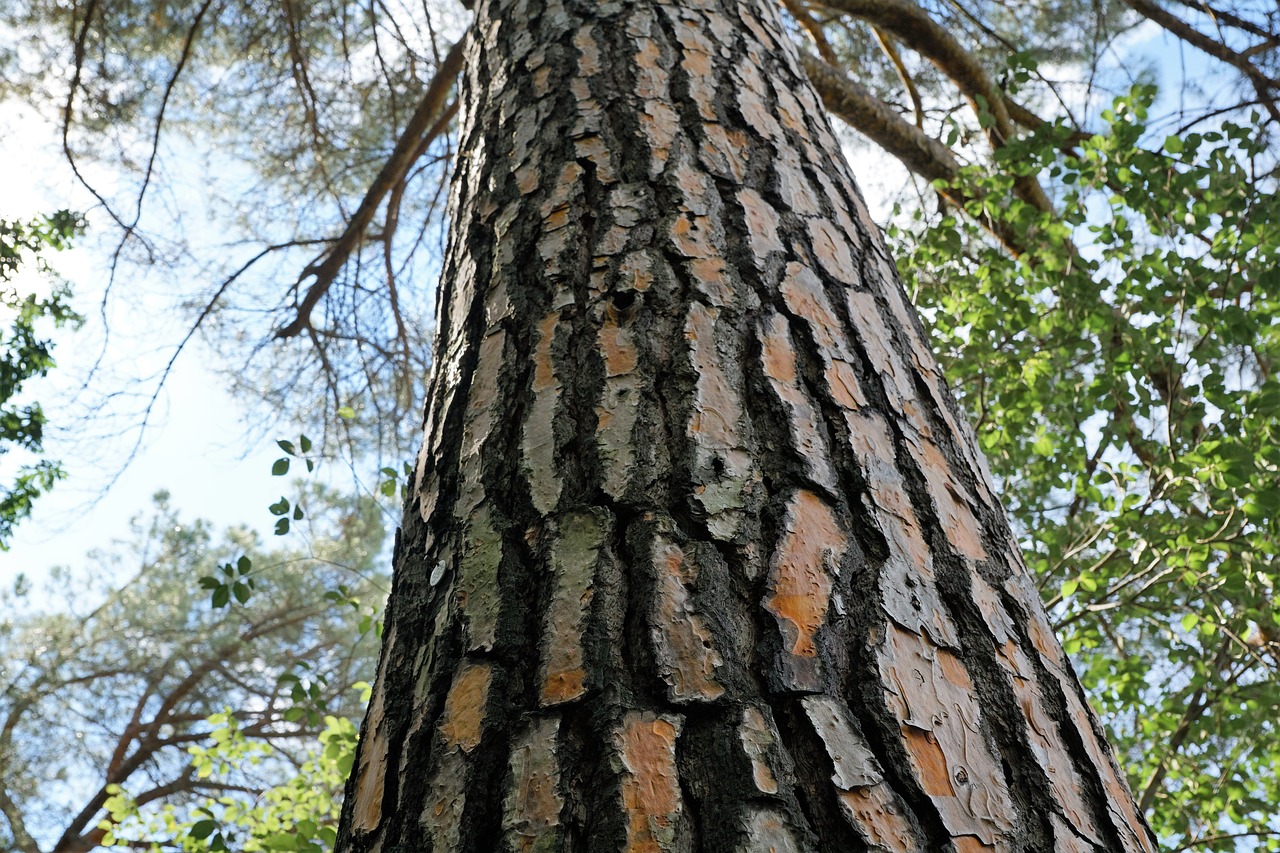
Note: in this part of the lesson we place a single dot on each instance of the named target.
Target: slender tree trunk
(701, 556)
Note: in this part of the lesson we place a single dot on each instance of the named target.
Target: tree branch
(414, 139)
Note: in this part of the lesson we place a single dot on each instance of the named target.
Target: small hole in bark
(624, 300)
(717, 466)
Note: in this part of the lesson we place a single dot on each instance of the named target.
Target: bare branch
(415, 138)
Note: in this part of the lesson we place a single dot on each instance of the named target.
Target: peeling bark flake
(767, 832)
(908, 589)
(724, 473)
(800, 583)
(1046, 742)
(832, 251)
(870, 805)
(1120, 804)
(779, 362)
(930, 692)
(371, 774)
(682, 640)
(658, 121)
(478, 422)
(477, 587)
(806, 298)
(756, 732)
(574, 555)
(538, 444)
(620, 402)
(532, 805)
(698, 63)
(646, 744)
(762, 225)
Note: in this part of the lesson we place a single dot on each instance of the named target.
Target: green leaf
(287, 446)
(280, 468)
(1189, 621)
(282, 526)
(241, 592)
(304, 443)
(221, 596)
(202, 829)
(280, 841)
(346, 412)
(280, 507)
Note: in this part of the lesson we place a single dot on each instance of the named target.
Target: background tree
(104, 709)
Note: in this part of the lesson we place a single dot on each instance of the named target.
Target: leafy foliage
(153, 704)
(1121, 370)
(25, 353)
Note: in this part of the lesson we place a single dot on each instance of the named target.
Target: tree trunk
(701, 556)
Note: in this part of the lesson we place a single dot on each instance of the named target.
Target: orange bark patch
(778, 355)
(463, 720)
(931, 764)
(562, 686)
(878, 819)
(800, 576)
(650, 783)
(617, 346)
(372, 773)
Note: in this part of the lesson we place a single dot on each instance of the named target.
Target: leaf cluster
(1121, 371)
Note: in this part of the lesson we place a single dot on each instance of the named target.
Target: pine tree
(701, 554)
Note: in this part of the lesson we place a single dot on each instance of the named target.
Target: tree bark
(702, 555)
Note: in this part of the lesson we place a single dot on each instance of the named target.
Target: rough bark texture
(702, 556)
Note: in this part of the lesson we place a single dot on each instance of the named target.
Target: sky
(197, 447)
